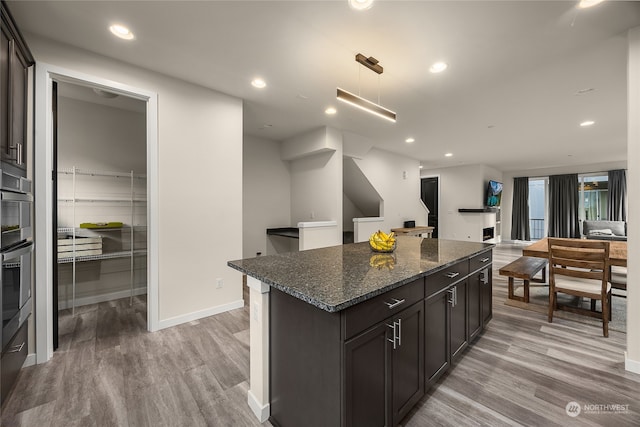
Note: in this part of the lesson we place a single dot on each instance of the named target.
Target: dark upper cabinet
(15, 60)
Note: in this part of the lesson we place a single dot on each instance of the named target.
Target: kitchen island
(343, 336)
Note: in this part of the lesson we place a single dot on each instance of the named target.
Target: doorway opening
(46, 202)
(430, 195)
(100, 209)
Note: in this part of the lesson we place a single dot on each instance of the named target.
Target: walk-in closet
(101, 200)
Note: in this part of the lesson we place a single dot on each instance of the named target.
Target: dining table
(617, 251)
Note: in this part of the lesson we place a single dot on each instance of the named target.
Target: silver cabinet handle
(16, 348)
(395, 303)
(393, 340)
(485, 259)
(399, 332)
(484, 276)
(455, 296)
(452, 274)
(450, 300)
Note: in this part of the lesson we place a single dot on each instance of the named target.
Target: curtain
(617, 196)
(564, 202)
(520, 210)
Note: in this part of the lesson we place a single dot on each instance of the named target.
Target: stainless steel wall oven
(16, 252)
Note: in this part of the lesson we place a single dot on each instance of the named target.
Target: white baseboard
(30, 360)
(94, 299)
(261, 411)
(631, 365)
(178, 320)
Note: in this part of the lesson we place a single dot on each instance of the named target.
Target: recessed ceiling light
(258, 83)
(588, 3)
(121, 31)
(409, 140)
(587, 123)
(438, 67)
(448, 155)
(420, 166)
(360, 4)
(330, 111)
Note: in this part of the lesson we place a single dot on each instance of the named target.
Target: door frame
(45, 74)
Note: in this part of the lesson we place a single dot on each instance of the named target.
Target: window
(593, 201)
(594, 190)
(537, 207)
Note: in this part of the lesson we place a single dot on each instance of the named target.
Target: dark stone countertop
(338, 277)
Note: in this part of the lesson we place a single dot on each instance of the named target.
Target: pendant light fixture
(362, 103)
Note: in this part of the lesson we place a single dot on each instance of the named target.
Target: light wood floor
(110, 372)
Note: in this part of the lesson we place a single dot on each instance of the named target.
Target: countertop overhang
(338, 277)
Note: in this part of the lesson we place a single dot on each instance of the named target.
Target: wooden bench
(524, 268)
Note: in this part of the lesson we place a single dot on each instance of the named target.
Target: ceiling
(522, 75)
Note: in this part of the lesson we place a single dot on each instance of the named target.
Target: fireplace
(488, 233)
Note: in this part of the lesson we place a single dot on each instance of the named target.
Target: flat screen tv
(494, 194)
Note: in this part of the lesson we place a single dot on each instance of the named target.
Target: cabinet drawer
(479, 261)
(13, 358)
(437, 281)
(366, 314)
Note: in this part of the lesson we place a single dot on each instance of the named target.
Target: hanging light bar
(366, 105)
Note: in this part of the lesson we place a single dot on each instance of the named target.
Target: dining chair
(580, 268)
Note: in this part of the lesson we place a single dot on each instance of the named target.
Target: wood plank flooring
(522, 371)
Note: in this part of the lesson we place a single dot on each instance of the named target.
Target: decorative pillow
(603, 232)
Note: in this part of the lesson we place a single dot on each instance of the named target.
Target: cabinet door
(18, 103)
(4, 92)
(407, 361)
(486, 290)
(459, 334)
(436, 346)
(475, 305)
(367, 378)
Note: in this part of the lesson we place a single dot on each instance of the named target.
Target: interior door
(429, 194)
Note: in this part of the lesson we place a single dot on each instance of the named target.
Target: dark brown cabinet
(437, 328)
(369, 364)
(445, 329)
(384, 370)
(455, 312)
(15, 60)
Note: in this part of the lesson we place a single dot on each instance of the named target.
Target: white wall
(463, 187)
(266, 197)
(400, 196)
(316, 179)
(349, 211)
(200, 182)
(633, 188)
(98, 137)
(507, 195)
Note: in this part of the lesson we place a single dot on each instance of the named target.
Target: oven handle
(19, 251)
(16, 197)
